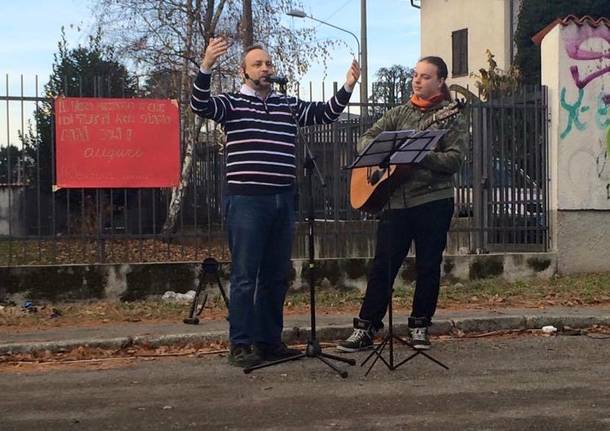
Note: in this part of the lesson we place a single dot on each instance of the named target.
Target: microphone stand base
(312, 350)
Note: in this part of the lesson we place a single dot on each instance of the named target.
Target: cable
(335, 12)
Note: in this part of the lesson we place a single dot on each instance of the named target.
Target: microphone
(256, 81)
(281, 80)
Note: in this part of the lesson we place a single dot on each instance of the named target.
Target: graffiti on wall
(587, 111)
(573, 110)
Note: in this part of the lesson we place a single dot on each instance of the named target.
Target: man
(261, 174)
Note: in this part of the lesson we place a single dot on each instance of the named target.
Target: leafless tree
(165, 39)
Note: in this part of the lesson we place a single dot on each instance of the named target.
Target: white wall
(578, 79)
(584, 123)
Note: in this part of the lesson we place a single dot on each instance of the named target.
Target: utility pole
(364, 66)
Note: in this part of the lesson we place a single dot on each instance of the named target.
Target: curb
(325, 333)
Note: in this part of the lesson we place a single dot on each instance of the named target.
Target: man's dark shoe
(361, 338)
(275, 352)
(418, 338)
(242, 356)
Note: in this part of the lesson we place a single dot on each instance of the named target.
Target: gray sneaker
(418, 338)
(361, 338)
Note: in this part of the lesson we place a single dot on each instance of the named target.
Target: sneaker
(418, 338)
(361, 338)
(275, 352)
(242, 356)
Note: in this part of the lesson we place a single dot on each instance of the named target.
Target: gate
(504, 184)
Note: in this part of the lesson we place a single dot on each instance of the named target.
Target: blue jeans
(260, 229)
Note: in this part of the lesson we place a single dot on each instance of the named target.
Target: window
(459, 50)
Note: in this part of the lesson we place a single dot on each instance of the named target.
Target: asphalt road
(526, 382)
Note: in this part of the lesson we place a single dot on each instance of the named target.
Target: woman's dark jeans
(425, 224)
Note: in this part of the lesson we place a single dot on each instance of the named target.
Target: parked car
(512, 203)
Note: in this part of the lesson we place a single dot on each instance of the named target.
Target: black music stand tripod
(208, 274)
(313, 349)
(395, 148)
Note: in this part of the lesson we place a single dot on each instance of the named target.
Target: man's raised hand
(216, 48)
(353, 74)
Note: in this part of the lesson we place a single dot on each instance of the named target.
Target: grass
(586, 289)
(568, 291)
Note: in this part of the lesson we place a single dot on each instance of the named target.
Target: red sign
(116, 142)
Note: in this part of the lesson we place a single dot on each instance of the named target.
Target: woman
(422, 208)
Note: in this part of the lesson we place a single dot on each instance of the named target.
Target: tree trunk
(178, 192)
(191, 130)
(247, 24)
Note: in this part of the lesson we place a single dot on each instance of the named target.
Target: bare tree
(166, 38)
(393, 85)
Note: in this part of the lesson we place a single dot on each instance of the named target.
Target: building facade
(461, 31)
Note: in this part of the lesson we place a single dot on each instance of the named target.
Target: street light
(297, 13)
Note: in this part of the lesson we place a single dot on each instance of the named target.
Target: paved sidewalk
(297, 327)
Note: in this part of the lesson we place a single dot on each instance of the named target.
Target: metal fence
(509, 169)
(501, 191)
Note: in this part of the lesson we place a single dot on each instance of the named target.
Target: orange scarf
(425, 104)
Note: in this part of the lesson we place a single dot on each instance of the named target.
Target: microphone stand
(313, 349)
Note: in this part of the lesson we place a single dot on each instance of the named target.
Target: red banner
(116, 142)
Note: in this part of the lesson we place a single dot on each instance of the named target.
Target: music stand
(399, 147)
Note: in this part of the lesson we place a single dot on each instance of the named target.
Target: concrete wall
(576, 69)
(584, 239)
(131, 282)
(488, 23)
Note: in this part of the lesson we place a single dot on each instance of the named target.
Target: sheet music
(403, 146)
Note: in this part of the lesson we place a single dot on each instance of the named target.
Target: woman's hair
(441, 71)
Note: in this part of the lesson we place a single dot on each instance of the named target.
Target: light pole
(297, 13)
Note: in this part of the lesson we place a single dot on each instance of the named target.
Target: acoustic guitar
(370, 187)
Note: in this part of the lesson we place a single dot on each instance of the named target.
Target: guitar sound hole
(375, 177)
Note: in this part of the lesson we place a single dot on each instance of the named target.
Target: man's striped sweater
(261, 134)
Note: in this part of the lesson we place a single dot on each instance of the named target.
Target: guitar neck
(442, 114)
